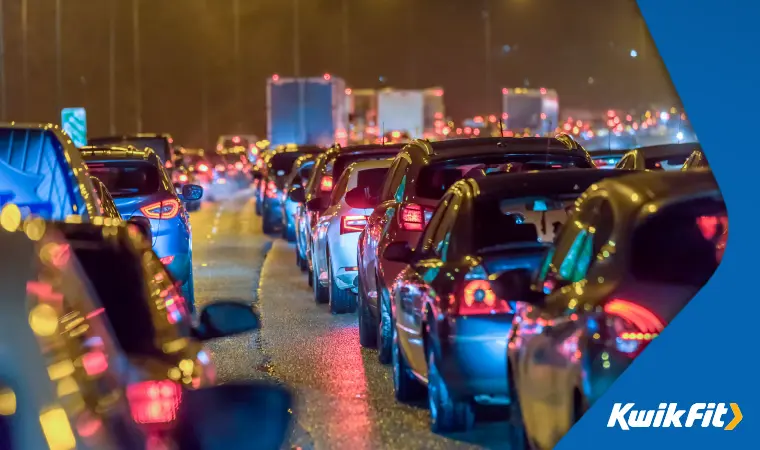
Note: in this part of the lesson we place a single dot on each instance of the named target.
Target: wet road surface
(344, 395)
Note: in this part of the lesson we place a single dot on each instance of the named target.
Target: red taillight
(271, 190)
(166, 260)
(165, 209)
(154, 402)
(94, 362)
(633, 324)
(352, 224)
(478, 298)
(413, 217)
(326, 184)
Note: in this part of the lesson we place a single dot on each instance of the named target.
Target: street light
(634, 53)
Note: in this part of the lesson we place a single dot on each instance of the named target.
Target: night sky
(407, 43)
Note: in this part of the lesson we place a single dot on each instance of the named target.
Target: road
(344, 395)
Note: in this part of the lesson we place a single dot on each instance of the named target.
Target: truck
(530, 111)
(417, 113)
(307, 111)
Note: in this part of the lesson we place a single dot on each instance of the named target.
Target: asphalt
(344, 396)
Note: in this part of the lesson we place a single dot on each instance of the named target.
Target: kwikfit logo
(669, 415)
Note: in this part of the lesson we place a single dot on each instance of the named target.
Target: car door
(325, 220)
(417, 279)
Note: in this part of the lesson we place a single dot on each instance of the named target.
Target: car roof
(665, 150)
(657, 186)
(370, 164)
(132, 136)
(508, 145)
(545, 182)
(116, 153)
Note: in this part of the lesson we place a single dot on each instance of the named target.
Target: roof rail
(568, 140)
(424, 143)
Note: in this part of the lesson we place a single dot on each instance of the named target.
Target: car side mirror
(192, 192)
(316, 204)
(143, 225)
(399, 251)
(515, 286)
(254, 410)
(297, 195)
(226, 318)
(359, 198)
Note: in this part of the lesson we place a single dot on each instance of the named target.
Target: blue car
(140, 187)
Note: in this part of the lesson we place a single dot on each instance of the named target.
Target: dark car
(607, 159)
(298, 177)
(449, 327)
(418, 178)
(697, 160)
(639, 249)
(328, 168)
(161, 143)
(272, 183)
(656, 157)
(140, 187)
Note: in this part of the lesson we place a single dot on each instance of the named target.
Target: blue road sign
(74, 122)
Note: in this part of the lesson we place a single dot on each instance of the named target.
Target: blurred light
(183, 178)
(543, 116)
(478, 119)
(616, 120)
(438, 115)
(635, 125)
(476, 131)
(60, 369)
(683, 116)
(459, 131)
(326, 77)
(542, 91)
(504, 116)
(239, 165)
(492, 118)
(629, 118)
(203, 168)
(576, 130)
(10, 217)
(664, 116)
(610, 113)
(679, 135)
(467, 130)
(673, 110)
(348, 91)
(7, 402)
(275, 77)
(94, 362)
(396, 134)
(446, 131)
(57, 429)
(590, 134)
(504, 91)
(168, 164)
(634, 53)
(619, 127)
(578, 123)
(567, 127)
(439, 92)
(644, 126)
(166, 260)
(43, 319)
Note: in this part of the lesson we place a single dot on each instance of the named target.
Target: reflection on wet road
(344, 396)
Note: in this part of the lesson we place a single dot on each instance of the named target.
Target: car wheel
(384, 329)
(367, 328)
(518, 438)
(405, 386)
(341, 300)
(446, 414)
(321, 295)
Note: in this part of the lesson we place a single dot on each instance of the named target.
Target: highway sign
(74, 122)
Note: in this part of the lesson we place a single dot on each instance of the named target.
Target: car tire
(446, 414)
(384, 329)
(367, 327)
(406, 387)
(321, 294)
(341, 301)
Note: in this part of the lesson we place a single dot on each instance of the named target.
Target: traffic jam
(376, 272)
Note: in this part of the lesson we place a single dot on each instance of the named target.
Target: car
(92, 393)
(641, 247)
(417, 180)
(141, 187)
(697, 160)
(42, 172)
(656, 157)
(449, 329)
(607, 159)
(162, 144)
(181, 176)
(271, 191)
(298, 177)
(336, 233)
(328, 167)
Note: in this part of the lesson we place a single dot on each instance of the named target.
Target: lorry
(307, 111)
(416, 113)
(530, 111)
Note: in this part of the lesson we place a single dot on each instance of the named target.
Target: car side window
(442, 236)
(340, 188)
(384, 191)
(318, 170)
(427, 240)
(396, 181)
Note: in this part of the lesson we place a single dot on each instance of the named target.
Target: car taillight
(154, 402)
(633, 325)
(166, 260)
(479, 299)
(413, 217)
(352, 224)
(165, 209)
(203, 168)
(326, 184)
(183, 178)
(271, 190)
(239, 165)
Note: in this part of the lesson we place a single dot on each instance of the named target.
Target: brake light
(413, 217)
(326, 184)
(271, 190)
(166, 209)
(166, 260)
(154, 402)
(478, 298)
(352, 224)
(203, 168)
(183, 178)
(633, 325)
(239, 165)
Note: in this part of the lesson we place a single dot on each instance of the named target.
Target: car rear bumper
(474, 356)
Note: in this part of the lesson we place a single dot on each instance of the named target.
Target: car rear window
(682, 244)
(159, 145)
(435, 179)
(666, 163)
(342, 162)
(127, 179)
(282, 163)
(372, 179)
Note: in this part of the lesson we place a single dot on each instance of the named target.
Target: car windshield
(128, 178)
(435, 179)
(682, 244)
(342, 162)
(159, 145)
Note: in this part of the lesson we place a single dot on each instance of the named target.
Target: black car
(450, 328)
(697, 160)
(656, 157)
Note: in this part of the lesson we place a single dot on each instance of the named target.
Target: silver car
(336, 234)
